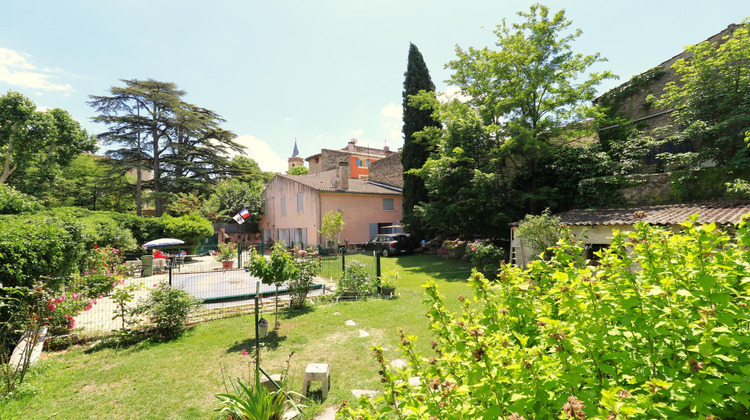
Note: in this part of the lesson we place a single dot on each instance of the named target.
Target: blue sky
(322, 71)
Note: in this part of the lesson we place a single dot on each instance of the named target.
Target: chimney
(352, 142)
(344, 175)
(386, 149)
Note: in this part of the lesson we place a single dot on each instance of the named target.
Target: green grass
(178, 379)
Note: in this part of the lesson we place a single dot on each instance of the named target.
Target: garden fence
(223, 291)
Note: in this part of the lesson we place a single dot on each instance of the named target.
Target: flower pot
(387, 291)
(227, 264)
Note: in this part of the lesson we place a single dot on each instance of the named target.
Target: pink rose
(244, 352)
(52, 307)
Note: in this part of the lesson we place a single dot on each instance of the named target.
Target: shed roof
(666, 214)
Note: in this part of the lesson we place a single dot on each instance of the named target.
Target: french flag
(245, 214)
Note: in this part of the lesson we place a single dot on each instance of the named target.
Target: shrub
(299, 284)
(36, 247)
(565, 340)
(143, 229)
(540, 232)
(485, 256)
(191, 228)
(356, 278)
(168, 308)
(13, 201)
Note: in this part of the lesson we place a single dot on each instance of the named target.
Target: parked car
(389, 244)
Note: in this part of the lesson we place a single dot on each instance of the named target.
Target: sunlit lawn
(178, 379)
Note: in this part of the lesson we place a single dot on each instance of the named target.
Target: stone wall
(650, 189)
(388, 171)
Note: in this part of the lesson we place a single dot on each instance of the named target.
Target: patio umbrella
(163, 242)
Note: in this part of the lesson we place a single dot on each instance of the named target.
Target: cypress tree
(415, 153)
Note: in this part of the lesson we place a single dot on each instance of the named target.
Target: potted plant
(388, 282)
(226, 254)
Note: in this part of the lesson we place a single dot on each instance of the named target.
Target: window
(388, 204)
(359, 163)
(283, 206)
(300, 203)
(265, 207)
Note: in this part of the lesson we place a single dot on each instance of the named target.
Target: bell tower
(295, 160)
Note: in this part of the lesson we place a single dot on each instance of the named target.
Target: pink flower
(474, 248)
(62, 298)
(52, 307)
(244, 352)
(87, 307)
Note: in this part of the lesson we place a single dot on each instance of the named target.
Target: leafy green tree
(34, 145)
(333, 223)
(275, 270)
(416, 149)
(248, 171)
(711, 101)
(524, 102)
(299, 170)
(151, 123)
(231, 197)
(95, 183)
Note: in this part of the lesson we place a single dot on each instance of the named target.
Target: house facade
(359, 158)
(294, 206)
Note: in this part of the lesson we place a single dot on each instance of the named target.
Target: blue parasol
(163, 242)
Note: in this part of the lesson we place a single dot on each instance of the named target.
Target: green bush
(168, 308)
(191, 228)
(356, 278)
(143, 229)
(99, 228)
(485, 256)
(299, 284)
(13, 201)
(34, 247)
(668, 339)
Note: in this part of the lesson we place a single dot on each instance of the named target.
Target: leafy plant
(191, 228)
(13, 201)
(540, 232)
(256, 402)
(122, 298)
(333, 223)
(168, 308)
(389, 279)
(660, 329)
(227, 252)
(356, 278)
(485, 256)
(299, 284)
(275, 270)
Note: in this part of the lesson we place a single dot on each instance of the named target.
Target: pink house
(294, 206)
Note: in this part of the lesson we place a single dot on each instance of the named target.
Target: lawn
(178, 379)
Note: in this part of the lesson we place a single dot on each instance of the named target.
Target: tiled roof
(321, 181)
(667, 214)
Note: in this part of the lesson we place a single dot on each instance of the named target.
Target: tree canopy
(183, 144)
(521, 104)
(711, 101)
(416, 149)
(35, 145)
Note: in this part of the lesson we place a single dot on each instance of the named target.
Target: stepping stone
(350, 323)
(360, 392)
(363, 333)
(329, 414)
(291, 414)
(337, 313)
(399, 363)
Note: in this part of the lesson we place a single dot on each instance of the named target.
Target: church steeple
(295, 160)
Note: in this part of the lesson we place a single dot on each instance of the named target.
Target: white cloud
(452, 92)
(16, 70)
(287, 119)
(392, 111)
(262, 153)
(358, 132)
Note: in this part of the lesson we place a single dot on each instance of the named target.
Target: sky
(316, 72)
